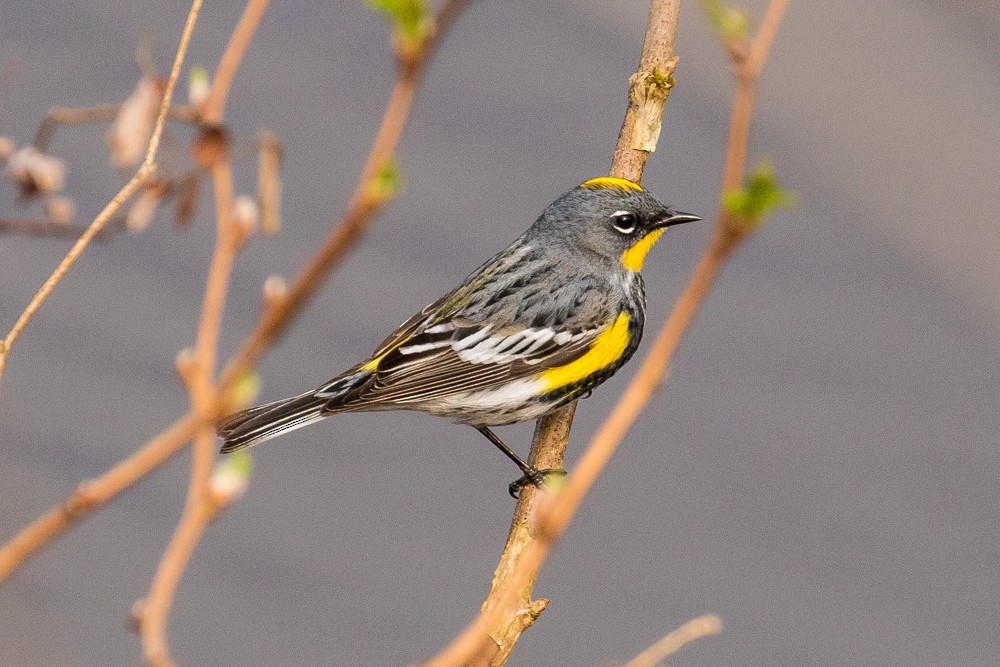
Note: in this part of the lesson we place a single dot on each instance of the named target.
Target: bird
(542, 323)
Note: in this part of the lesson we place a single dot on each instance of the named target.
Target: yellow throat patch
(633, 258)
(607, 182)
(606, 349)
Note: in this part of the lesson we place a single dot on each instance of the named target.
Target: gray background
(821, 468)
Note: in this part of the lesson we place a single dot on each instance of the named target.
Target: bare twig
(215, 105)
(539, 522)
(364, 204)
(198, 372)
(276, 318)
(91, 495)
(57, 116)
(508, 607)
(144, 173)
(696, 628)
(48, 228)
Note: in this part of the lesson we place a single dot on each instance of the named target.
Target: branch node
(82, 501)
(520, 621)
(211, 146)
(649, 91)
(186, 364)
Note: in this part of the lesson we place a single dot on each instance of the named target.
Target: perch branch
(540, 518)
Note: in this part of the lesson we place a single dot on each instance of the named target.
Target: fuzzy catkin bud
(133, 126)
(6, 147)
(245, 215)
(34, 171)
(230, 479)
(143, 210)
(275, 290)
(60, 210)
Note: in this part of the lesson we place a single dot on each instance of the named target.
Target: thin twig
(363, 206)
(198, 374)
(144, 173)
(91, 495)
(508, 605)
(57, 116)
(540, 522)
(50, 229)
(215, 104)
(696, 628)
(272, 323)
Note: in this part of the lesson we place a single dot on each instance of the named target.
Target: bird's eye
(623, 221)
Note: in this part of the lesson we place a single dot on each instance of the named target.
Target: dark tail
(254, 426)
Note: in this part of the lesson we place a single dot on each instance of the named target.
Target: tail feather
(254, 426)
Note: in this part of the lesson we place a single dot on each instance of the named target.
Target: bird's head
(612, 217)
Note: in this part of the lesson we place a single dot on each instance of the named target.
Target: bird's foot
(536, 477)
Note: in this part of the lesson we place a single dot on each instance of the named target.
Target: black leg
(531, 474)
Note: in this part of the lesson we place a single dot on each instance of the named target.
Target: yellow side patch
(636, 255)
(603, 352)
(606, 182)
(372, 364)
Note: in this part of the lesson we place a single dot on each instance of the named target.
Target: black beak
(671, 218)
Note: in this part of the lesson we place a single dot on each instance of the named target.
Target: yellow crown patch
(606, 182)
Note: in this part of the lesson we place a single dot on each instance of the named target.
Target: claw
(532, 476)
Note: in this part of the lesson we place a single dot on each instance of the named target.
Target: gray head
(612, 217)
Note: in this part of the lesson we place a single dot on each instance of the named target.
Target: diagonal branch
(541, 518)
(144, 173)
(278, 315)
(198, 371)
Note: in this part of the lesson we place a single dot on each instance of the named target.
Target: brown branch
(696, 628)
(540, 519)
(508, 604)
(364, 204)
(144, 173)
(198, 372)
(278, 315)
(91, 495)
(57, 116)
(50, 229)
(215, 105)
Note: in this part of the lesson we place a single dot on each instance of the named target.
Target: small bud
(760, 196)
(143, 210)
(230, 479)
(35, 172)
(384, 185)
(189, 191)
(269, 183)
(60, 210)
(275, 290)
(6, 147)
(210, 147)
(130, 133)
(185, 363)
(198, 86)
(134, 620)
(732, 24)
(245, 215)
(242, 393)
(410, 21)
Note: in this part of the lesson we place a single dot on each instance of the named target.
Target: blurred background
(821, 468)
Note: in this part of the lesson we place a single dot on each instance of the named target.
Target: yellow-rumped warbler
(542, 323)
